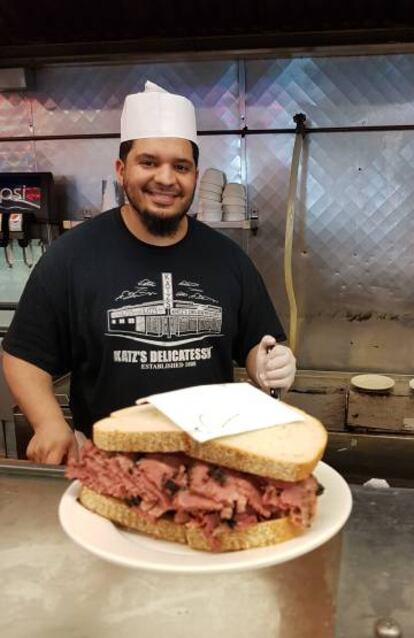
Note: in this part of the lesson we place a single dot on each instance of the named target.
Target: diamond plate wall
(353, 259)
(79, 166)
(15, 115)
(331, 91)
(222, 152)
(17, 156)
(353, 263)
(86, 100)
(12, 280)
(268, 164)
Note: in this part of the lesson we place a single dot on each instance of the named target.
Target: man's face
(159, 178)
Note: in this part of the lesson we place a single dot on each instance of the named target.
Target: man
(141, 299)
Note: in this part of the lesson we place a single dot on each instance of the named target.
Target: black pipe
(243, 132)
(8, 305)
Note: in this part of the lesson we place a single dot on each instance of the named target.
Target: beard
(156, 223)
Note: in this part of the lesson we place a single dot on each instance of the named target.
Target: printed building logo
(170, 320)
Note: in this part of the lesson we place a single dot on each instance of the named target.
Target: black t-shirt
(129, 319)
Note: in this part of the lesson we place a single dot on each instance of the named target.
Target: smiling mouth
(162, 199)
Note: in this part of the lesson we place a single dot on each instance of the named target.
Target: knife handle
(276, 393)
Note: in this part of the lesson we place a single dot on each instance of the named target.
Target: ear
(119, 170)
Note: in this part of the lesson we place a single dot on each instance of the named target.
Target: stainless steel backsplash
(353, 256)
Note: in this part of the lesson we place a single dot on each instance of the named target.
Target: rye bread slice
(287, 452)
(259, 535)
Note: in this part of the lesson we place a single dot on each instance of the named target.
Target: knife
(276, 393)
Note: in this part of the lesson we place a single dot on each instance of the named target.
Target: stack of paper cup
(234, 202)
(209, 196)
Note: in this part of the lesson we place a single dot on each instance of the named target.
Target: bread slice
(287, 452)
(140, 428)
(259, 535)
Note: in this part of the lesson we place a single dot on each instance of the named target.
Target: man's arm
(32, 389)
(271, 365)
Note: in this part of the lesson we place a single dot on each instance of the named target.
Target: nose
(165, 175)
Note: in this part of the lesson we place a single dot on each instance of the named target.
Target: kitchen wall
(353, 260)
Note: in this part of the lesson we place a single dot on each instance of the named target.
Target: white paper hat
(157, 113)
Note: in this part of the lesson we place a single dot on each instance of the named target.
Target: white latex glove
(275, 365)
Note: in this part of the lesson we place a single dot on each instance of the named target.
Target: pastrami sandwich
(231, 493)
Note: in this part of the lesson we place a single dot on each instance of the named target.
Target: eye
(182, 168)
(147, 163)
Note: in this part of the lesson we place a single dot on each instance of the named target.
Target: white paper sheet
(211, 411)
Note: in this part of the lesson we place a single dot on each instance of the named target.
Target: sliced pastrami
(195, 493)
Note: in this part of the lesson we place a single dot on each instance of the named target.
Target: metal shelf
(245, 224)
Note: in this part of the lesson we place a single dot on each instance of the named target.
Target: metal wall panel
(85, 100)
(13, 280)
(222, 152)
(15, 115)
(17, 156)
(330, 91)
(268, 164)
(78, 166)
(353, 260)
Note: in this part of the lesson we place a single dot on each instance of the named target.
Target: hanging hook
(300, 119)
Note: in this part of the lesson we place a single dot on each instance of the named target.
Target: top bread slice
(287, 452)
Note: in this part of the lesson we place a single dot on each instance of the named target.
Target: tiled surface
(15, 115)
(17, 156)
(345, 91)
(353, 263)
(353, 218)
(76, 100)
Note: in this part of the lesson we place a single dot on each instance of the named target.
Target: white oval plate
(132, 549)
(373, 382)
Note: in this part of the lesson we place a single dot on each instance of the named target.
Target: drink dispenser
(27, 212)
(4, 237)
(20, 230)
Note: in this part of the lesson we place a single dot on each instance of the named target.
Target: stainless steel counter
(377, 573)
(52, 588)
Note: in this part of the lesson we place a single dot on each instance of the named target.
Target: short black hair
(125, 147)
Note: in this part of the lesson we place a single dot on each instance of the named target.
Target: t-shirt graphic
(169, 319)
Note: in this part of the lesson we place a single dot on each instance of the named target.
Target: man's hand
(52, 444)
(275, 365)
(32, 389)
